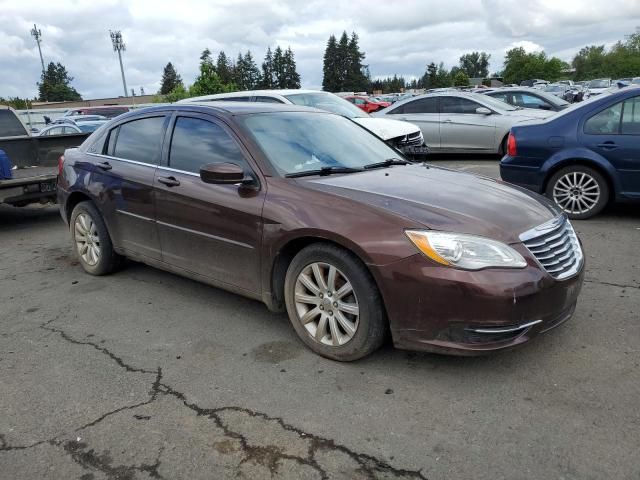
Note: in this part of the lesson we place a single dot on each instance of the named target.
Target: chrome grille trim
(556, 247)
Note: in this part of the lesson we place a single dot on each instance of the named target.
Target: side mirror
(222, 173)
(483, 111)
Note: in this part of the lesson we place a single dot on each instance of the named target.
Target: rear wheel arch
(585, 163)
(74, 199)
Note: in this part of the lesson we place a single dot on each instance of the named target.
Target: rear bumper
(445, 310)
(525, 173)
(28, 190)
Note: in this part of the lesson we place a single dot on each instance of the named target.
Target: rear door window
(268, 100)
(631, 117)
(606, 122)
(423, 105)
(197, 142)
(10, 126)
(139, 140)
(458, 105)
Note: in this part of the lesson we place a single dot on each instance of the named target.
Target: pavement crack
(271, 455)
(89, 459)
(611, 284)
(104, 350)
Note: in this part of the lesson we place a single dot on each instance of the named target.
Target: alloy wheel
(326, 304)
(576, 192)
(87, 239)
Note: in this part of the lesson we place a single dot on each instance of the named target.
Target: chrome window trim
(134, 162)
(184, 172)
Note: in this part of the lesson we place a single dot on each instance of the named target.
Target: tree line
(278, 70)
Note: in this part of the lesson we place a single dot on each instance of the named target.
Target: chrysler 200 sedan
(310, 213)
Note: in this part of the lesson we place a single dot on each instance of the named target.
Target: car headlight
(468, 252)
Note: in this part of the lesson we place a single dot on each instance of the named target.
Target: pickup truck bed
(21, 173)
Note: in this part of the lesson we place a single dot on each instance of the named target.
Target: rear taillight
(512, 150)
(60, 164)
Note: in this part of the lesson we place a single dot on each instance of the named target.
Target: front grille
(556, 246)
(413, 140)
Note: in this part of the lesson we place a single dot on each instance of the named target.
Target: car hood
(385, 128)
(445, 200)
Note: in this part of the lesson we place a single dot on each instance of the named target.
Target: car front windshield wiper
(323, 171)
(386, 163)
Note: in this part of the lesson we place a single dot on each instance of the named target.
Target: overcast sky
(398, 37)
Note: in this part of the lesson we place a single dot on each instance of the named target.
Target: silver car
(459, 122)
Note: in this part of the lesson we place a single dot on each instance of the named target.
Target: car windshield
(327, 101)
(296, 142)
(599, 84)
(497, 104)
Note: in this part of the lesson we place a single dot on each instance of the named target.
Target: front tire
(91, 240)
(333, 303)
(581, 192)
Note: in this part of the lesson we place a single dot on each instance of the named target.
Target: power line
(119, 46)
(37, 34)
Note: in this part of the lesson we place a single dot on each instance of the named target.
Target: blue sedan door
(614, 133)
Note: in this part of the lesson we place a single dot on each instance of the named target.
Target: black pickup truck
(32, 172)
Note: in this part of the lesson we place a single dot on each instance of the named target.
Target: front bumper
(445, 310)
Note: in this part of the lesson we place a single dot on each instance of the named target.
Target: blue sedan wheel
(579, 191)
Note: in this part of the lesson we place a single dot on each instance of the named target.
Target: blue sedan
(583, 157)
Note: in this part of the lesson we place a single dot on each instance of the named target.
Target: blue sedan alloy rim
(576, 193)
(326, 304)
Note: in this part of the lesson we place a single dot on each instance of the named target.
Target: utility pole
(118, 46)
(37, 34)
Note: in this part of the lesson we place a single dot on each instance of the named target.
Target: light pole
(37, 34)
(118, 46)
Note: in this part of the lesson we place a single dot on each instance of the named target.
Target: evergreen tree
(355, 79)
(268, 78)
(279, 68)
(291, 77)
(252, 72)
(170, 79)
(342, 62)
(329, 68)
(54, 85)
(224, 68)
(208, 82)
(475, 64)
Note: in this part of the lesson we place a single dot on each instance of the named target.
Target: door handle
(169, 181)
(446, 121)
(608, 145)
(104, 166)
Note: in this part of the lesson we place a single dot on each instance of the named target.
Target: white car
(598, 86)
(401, 135)
(461, 122)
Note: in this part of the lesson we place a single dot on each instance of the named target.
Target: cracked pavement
(144, 374)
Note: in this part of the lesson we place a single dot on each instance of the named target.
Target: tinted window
(140, 140)
(268, 100)
(10, 126)
(112, 141)
(501, 96)
(228, 99)
(607, 122)
(424, 105)
(198, 142)
(631, 117)
(458, 105)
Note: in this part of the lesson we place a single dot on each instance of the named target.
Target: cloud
(400, 37)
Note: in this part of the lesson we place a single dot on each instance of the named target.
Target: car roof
(229, 108)
(252, 93)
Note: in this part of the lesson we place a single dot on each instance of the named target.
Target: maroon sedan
(308, 212)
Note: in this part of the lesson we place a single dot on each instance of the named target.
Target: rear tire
(333, 303)
(580, 191)
(91, 240)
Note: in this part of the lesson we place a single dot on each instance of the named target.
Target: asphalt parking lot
(144, 374)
